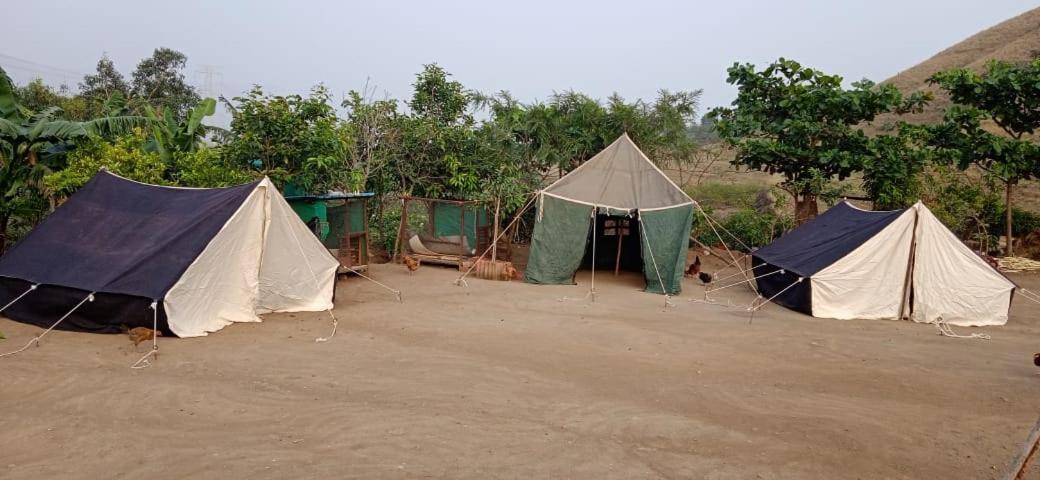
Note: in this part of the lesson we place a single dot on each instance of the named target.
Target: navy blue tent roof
(825, 239)
(123, 237)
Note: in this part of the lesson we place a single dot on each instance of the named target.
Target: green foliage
(804, 124)
(800, 122)
(125, 157)
(957, 199)
(1007, 95)
(1024, 222)
(159, 81)
(755, 229)
(207, 168)
(171, 136)
(285, 136)
(37, 96)
(98, 88)
(725, 195)
(892, 171)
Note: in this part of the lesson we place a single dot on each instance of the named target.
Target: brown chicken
(140, 334)
(412, 263)
(694, 267)
(510, 273)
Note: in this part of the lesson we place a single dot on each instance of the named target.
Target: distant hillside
(1015, 40)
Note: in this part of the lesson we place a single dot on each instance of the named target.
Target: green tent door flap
(666, 237)
(561, 233)
(560, 243)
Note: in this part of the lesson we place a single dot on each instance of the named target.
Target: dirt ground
(505, 380)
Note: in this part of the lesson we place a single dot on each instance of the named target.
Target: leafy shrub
(1023, 222)
(207, 168)
(755, 229)
(125, 157)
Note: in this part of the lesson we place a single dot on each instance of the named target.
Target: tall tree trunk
(1010, 250)
(805, 208)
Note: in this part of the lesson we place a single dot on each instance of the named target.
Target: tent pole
(908, 279)
(494, 244)
(592, 288)
(620, 237)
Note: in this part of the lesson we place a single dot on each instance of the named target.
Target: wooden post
(365, 260)
(462, 232)
(346, 236)
(494, 234)
(1020, 463)
(400, 229)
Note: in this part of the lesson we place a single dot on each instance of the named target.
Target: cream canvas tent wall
(855, 263)
(621, 185)
(206, 257)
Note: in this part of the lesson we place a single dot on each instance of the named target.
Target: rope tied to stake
(36, 339)
(944, 330)
(143, 361)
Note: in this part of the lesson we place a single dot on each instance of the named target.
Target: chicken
(705, 278)
(1036, 359)
(412, 263)
(140, 334)
(510, 273)
(694, 267)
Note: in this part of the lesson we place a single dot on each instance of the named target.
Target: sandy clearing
(499, 380)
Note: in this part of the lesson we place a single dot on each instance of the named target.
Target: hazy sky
(531, 48)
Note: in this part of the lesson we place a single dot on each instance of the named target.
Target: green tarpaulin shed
(615, 193)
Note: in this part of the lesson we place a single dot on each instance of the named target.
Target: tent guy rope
(36, 339)
(31, 288)
(660, 281)
(711, 224)
(143, 362)
(946, 331)
(781, 271)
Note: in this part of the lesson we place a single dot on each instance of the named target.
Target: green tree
(438, 139)
(102, 85)
(158, 81)
(207, 168)
(1008, 95)
(892, 169)
(803, 124)
(289, 138)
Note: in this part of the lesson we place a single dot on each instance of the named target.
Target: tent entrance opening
(618, 246)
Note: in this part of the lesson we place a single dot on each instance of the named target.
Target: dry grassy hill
(1016, 39)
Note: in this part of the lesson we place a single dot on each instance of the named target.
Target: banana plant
(170, 135)
(31, 144)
